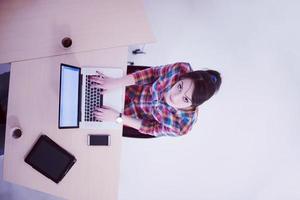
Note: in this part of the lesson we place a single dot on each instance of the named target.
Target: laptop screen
(69, 96)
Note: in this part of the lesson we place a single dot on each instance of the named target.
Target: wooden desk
(30, 39)
(33, 105)
(34, 28)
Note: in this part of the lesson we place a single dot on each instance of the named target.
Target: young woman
(162, 100)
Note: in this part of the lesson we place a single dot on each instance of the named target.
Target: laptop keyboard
(93, 99)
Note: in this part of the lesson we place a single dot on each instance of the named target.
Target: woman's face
(180, 95)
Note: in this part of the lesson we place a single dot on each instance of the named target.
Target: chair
(2, 138)
(4, 85)
(128, 131)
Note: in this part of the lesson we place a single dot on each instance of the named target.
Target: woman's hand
(106, 114)
(103, 82)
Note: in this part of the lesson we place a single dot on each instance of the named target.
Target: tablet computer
(50, 159)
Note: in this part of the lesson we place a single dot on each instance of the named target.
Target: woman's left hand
(106, 114)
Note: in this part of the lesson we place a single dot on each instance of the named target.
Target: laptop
(77, 100)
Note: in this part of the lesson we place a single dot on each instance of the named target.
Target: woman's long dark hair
(206, 82)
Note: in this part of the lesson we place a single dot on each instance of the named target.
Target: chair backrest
(134, 68)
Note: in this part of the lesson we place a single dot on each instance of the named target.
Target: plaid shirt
(145, 101)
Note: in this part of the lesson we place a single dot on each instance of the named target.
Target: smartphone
(99, 140)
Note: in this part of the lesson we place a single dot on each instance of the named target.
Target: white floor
(10, 191)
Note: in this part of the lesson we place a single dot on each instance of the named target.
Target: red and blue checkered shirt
(145, 101)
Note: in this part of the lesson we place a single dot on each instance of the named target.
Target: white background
(245, 144)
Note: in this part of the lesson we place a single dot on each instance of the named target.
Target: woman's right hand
(103, 82)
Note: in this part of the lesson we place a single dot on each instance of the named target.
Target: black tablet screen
(50, 159)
